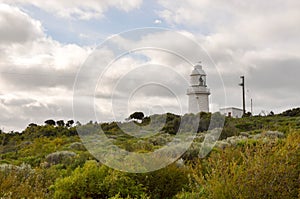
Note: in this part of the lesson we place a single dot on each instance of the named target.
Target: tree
(78, 123)
(60, 123)
(137, 115)
(50, 122)
(32, 125)
(70, 123)
(248, 114)
(291, 112)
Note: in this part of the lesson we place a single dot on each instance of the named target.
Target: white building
(198, 92)
(232, 112)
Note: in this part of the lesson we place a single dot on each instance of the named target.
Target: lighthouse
(198, 91)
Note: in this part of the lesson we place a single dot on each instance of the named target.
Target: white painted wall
(198, 103)
(235, 112)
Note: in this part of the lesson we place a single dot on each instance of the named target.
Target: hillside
(255, 157)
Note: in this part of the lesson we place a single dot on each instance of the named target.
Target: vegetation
(137, 116)
(255, 157)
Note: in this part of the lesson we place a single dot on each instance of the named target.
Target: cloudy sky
(59, 55)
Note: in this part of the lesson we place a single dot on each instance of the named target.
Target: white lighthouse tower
(198, 92)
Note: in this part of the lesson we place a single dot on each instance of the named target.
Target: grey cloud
(17, 117)
(16, 26)
(37, 78)
(273, 84)
(276, 74)
(256, 39)
(16, 101)
(277, 81)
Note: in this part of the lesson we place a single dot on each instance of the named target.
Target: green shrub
(24, 182)
(229, 130)
(63, 157)
(266, 170)
(166, 182)
(245, 126)
(94, 181)
(78, 146)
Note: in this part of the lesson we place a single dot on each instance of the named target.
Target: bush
(266, 170)
(63, 157)
(229, 130)
(78, 146)
(292, 112)
(24, 182)
(166, 182)
(94, 181)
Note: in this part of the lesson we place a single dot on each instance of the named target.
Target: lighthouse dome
(198, 76)
(198, 70)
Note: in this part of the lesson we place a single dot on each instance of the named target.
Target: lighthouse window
(201, 81)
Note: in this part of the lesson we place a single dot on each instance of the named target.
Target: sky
(101, 60)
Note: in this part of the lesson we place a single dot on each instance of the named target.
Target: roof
(198, 70)
(226, 108)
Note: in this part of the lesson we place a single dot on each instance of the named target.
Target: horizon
(125, 120)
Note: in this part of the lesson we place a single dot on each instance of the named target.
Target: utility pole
(243, 87)
(251, 107)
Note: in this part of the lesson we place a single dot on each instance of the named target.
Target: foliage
(24, 182)
(292, 112)
(172, 124)
(60, 123)
(137, 115)
(63, 157)
(96, 181)
(70, 123)
(50, 122)
(255, 157)
(166, 182)
(229, 129)
(78, 146)
(266, 170)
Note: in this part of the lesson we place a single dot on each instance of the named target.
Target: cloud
(77, 9)
(30, 59)
(40, 63)
(238, 26)
(37, 73)
(18, 110)
(157, 21)
(17, 27)
(15, 101)
(148, 70)
(252, 38)
(256, 39)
